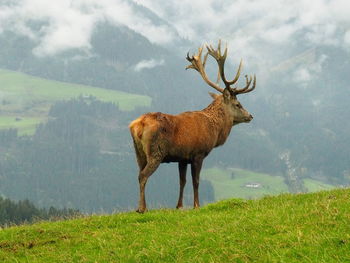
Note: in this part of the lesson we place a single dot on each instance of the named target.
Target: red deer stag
(187, 138)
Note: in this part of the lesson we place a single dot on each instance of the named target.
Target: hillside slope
(286, 228)
(25, 100)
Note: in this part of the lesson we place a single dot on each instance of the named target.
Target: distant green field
(314, 185)
(23, 125)
(31, 98)
(234, 182)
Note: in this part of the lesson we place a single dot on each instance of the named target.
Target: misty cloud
(69, 24)
(302, 75)
(148, 64)
(347, 38)
(308, 70)
(259, 31)
(271, 20)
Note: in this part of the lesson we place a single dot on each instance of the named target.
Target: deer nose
(250, 116)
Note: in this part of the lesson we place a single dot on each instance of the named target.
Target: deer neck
(221, 119)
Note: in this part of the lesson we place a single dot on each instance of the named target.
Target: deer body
(182, 137)
(186, 138)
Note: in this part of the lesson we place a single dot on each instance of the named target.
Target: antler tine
(236, 90)
(237, 74)
(246, 89)
(220, 59)
(194, 59)
(197, 64)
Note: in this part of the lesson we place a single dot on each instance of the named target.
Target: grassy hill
(25, 100)
(285, 228)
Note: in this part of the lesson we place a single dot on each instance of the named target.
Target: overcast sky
(260, 30)
(70, 23)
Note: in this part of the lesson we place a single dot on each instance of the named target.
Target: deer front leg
(182, 174)
(196, 167)
(143, 177)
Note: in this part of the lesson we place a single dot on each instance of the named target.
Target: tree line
(12, 212)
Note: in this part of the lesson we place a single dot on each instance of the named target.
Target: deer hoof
(141, 211)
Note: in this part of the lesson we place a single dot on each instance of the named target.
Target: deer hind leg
(145, 173)
(196, 167)
(182, 174)
(140, 155)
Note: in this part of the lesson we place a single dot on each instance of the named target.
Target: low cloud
(148, 64)
(270, 20)
(347, 38)
(308, 71)
(69, 24)
(263, 30)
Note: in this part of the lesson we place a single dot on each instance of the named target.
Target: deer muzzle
(249, 118)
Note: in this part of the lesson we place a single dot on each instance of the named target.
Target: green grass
(25, 95)
(226, 186)
(285, 228)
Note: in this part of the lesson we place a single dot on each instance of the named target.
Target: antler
(246, 89)
(220, 59)
(197, 64)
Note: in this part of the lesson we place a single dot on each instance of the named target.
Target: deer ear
(227, 95)
(213, 95)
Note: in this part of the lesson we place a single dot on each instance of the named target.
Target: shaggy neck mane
(222, 121)
(216, 109)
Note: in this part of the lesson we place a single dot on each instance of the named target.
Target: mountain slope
(285, 228)
(25, 100)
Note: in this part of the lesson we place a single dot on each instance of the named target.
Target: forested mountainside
(81, 158)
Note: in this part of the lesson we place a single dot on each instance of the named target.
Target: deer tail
(136, 128)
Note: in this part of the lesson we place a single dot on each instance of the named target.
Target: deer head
(228, 94)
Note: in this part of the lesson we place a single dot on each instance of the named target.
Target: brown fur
(186, 138)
